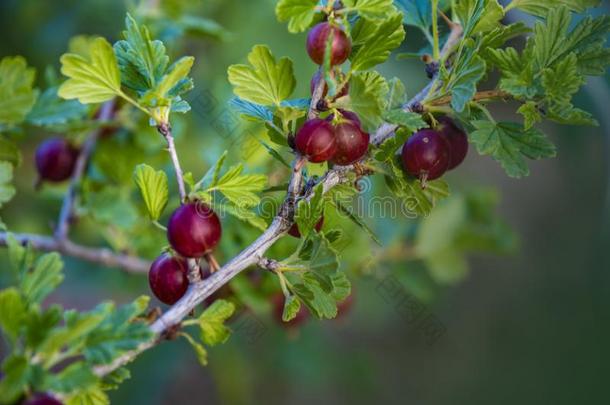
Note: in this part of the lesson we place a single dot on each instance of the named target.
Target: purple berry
(41, 399)
(316, 141)
(317, 39)
(55, 160)
(457, 139)
(194, 229)
(352, 143)
(426, 155)
(168, 278)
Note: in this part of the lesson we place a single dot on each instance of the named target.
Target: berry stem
(63, 223)
(165, 130)
(212, 262)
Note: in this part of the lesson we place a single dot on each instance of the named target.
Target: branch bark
(101, 256)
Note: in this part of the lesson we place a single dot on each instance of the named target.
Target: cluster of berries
(338, 139)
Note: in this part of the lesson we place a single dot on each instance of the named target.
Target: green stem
(436, 47)
(134, 103)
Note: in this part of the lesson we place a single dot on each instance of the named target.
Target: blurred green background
(532, 328)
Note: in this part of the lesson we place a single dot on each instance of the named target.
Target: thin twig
(106, 257)
(165, 130)
(63, 223)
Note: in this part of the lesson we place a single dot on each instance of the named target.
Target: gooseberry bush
(354, 125)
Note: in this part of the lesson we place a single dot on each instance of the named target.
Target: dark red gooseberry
(41, 399)
(346, 116)
(194, 229)
(426, 155)
(294, 229)
(457, 139)
(168, 278)
(316, 141)
(315, 79)
(277, 302)
(55, 159)
(352, 143)
(318, 38)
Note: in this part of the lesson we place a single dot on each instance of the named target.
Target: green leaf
(17, 372)
(368, 92)
(120, 332)
(240, 189)
(17, 95)
(320, 303)
(291, 308)
(242, 213)
(416, 200)
(51, 110)
(251, 111)
(74, 332)
(417, 13)
(342, 287)
(47, 274)
(542, 7)
(39, 324)
(300, 14)
(479, 15)
(142, 61)
(173, 84)
(7, 191)
(373, 41)
(12, 312)
(154, 189)
(9, 152)
(88, 396)
(309, 212)
(371, 9)
(212, 322)
(510, 144)
(94, 79)
(263, 81)
(397, 95)
(409, 120)
(202, 354)
(531, 114)
(75, 377)
(466, 73)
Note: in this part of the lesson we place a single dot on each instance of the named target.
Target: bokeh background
(528, 328)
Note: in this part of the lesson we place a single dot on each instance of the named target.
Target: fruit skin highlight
(168, 278)
(316, 141)
(425, 155)
(457, 139)
(55, 160)
(352, 143)
(317, 39)
(194, 230)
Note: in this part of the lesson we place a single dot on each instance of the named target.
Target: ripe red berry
(294, 229)
(426, 155)
(41, 399)
(168, 278)
(352, 143)
(277, 302)
(318, 38)
(315, 79)
(457, 139)
(316, 141)
(55, 159)
(194, 229)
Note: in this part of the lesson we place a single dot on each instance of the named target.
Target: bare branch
(102, 256)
